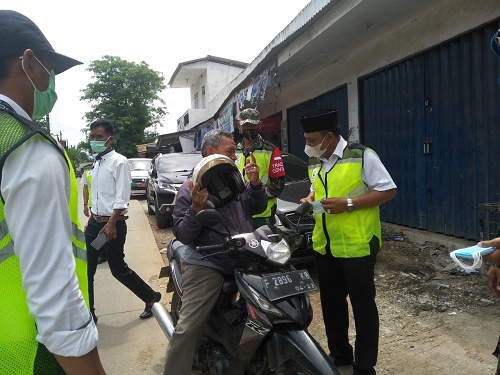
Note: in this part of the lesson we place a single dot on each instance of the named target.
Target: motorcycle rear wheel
(176, 305)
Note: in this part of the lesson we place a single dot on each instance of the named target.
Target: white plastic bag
(474, 253)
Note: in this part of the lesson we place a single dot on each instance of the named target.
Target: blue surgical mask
(44, 101)
(99, 146)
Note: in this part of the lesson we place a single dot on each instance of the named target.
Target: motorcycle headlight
(277, 252)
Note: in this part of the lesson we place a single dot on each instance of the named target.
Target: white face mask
(316, 151)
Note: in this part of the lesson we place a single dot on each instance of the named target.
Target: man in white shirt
(110, 190)
(45, 325)
(349, 182)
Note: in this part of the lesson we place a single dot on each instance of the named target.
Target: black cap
(322, 119)
(18, 33)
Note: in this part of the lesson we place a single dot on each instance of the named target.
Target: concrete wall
(215, 77)
(220, 75)
(445, 21)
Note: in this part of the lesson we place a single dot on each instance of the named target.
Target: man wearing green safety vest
(348, 183)
(253, 148)
(45, 323)
(87, 183)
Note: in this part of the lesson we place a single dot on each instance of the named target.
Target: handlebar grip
(210, 247)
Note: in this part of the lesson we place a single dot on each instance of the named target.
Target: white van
(139, 168)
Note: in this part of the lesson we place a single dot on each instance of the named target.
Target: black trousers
(353, 277)
(114, 251)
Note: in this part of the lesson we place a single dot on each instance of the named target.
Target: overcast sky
(161, 33)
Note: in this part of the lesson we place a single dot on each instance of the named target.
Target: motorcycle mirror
(208, 217)
(303, 208)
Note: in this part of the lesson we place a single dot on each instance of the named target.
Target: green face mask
(98, 146)
(44, 101)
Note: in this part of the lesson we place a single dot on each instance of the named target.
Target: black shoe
(147, 313)
(339, 362)
(101, 260)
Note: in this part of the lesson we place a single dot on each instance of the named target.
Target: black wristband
(496, 265)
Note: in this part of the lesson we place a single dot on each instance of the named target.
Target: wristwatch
(350, 206)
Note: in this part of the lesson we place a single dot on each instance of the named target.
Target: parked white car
(139, 168)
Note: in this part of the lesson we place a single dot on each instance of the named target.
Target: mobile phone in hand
(99, 241)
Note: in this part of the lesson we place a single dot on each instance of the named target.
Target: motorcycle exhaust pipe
(164, 319)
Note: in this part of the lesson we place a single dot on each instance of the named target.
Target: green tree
(43, 123)
(127, 94)
(77, 157)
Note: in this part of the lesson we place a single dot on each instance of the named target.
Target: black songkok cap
(322, 119)
(18, 33)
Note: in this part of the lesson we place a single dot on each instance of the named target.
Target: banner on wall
(198, 136)
(225, 120)
(255, 92)
(270, 125)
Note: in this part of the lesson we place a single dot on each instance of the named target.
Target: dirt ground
(434, 319)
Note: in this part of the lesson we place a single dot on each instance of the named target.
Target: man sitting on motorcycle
(202, 278)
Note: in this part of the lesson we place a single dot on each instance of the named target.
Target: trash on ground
(397, 237)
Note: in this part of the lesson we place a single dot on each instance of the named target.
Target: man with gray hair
(202, 278)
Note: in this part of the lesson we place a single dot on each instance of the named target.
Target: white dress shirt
(35, 187)
(374, 173)
(111, 184)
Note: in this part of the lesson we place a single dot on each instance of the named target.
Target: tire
(148, 202)
(161, 220)
(291, 368)
(176, 305)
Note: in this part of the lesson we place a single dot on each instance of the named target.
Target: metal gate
(435, 122)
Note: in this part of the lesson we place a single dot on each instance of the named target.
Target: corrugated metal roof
(312, 11)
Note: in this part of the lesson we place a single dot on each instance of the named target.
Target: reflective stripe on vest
(263, 160)
(348, 234)
(20, 353)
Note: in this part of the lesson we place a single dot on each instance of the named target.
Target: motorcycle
(259, 323)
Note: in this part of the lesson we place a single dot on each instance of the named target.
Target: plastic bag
(474, 253)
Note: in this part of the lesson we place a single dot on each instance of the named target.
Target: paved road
(127, 344)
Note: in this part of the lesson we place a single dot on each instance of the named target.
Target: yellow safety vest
(20, 353)
(263, 160)
(87, 174)
(348, 234)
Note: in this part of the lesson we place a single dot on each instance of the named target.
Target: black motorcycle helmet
(221, 177)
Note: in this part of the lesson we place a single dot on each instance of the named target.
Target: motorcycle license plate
(280, 285)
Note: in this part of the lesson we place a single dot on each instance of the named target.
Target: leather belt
(105, 219)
